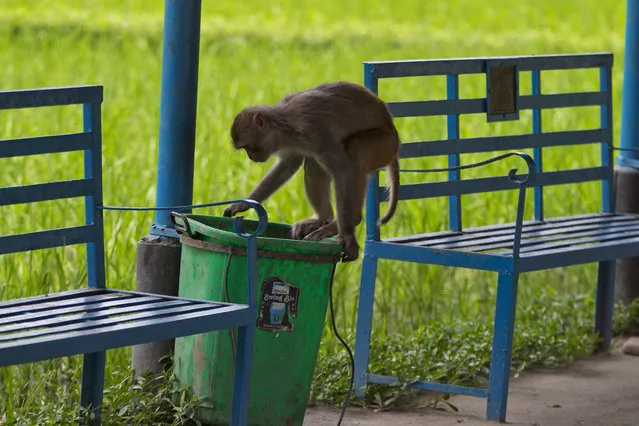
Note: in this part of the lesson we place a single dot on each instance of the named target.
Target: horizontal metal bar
(482, 241)
(428, 386)
(94, 319)
(591, 241)
(120, 335)
(15, 313)
(52, 297)
(478, 106)
(580, 255)
(39, 313)
(508, 227)
(569, 237)
(46, 191)
(54, 96)
(502, 143)
(45, 145)
(491, 184)
(48, 239)
(425, 255)
(425, 67)
(530, 229)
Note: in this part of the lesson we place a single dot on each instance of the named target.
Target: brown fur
(339, 131)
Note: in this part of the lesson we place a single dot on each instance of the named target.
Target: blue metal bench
(90, 321)
(508, 249)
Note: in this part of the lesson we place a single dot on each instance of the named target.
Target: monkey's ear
(259, 120)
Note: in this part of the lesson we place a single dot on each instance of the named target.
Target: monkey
(340, 132)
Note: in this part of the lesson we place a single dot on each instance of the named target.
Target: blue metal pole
(158, 254)
(627, 168)
(630, 92)
(178, 103)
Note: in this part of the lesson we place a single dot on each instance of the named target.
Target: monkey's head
(253, 132)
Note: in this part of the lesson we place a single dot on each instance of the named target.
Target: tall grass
(255, 52)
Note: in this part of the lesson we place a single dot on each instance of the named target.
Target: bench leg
(499, 379)
(93, 384)
(364, 324)
(605, 303)
(242, 379)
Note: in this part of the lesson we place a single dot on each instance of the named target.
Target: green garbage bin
(293, 291)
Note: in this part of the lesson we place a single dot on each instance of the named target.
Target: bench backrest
(89, 141)
(501, 103)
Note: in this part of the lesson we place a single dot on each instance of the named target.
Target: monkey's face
(250, 132)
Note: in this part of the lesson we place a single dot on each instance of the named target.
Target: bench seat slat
(532, 242)
(547, 234)
(13, 313)
(101, 330)
(502, 226)
(530, 229)
(93, 319)
(539, 239)
(96, 303)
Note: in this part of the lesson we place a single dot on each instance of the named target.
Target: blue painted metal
(478, 106)
(630, 90)
(92, 320)
(55, 96)
(46, 191)
(452, 128)
(178, 103)
(93, 383)
(93, 215)
(364, 320)
(502, 346)
(372, 199)
(605, 112)
(45, 145)
(429, 386)
(503, 143)
(537, 153)
(508, 249)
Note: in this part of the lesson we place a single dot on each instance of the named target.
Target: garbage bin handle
(179, 228)
(238, 221)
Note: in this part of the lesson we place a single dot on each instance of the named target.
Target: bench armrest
(251, 240)
(522, 181)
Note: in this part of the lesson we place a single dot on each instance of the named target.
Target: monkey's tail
(392, 171)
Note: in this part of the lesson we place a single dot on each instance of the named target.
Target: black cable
(350, 353)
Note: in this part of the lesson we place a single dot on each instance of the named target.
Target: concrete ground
(600, 390)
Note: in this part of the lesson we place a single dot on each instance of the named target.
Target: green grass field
(430, 322)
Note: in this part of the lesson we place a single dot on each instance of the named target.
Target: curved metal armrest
(522, 182)
(530, 163)
(237, 221)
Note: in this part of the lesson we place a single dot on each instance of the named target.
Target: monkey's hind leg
(317, 184)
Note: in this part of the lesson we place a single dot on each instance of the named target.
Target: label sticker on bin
(278, 305)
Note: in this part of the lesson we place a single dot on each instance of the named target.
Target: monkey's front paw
(351, 248)
(319, 234)
(236, 208)
(305, 227)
